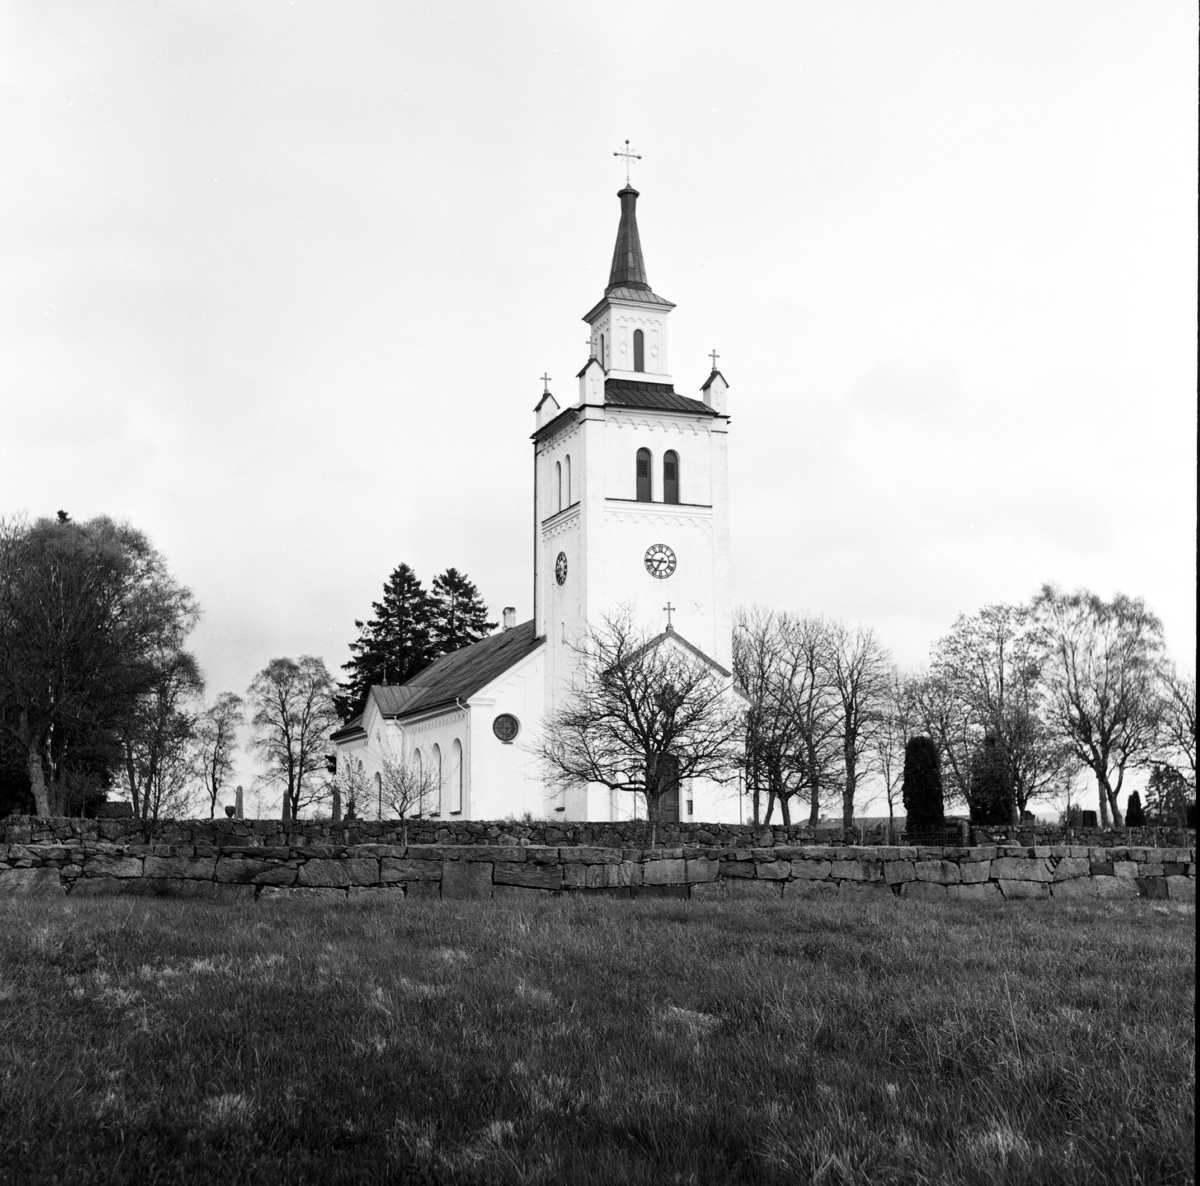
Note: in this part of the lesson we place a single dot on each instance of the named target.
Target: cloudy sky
(280, 279)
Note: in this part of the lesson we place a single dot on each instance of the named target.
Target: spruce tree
(393, 646)
(1135, 817)
(921, 789)
(459, 616)
(992, 795)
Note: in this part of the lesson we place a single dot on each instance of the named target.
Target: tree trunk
(848, 796)
(37, 779)
(785, 810)
(770, 808)
(1118, 820)
(814, 811)
(1100, 780)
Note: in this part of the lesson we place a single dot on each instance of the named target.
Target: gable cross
(629, 156)
(669, 609)
(545, 384)
(714, 356)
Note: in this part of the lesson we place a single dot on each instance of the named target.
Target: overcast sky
(280, 278)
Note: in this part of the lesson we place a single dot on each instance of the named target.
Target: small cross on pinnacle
(714, 356)
(629, 156)
(669, 609)
(545, 384)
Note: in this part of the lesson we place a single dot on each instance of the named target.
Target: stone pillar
(237, 804)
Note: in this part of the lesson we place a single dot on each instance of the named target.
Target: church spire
(628, 268)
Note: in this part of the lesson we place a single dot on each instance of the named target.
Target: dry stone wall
(506, 833)
(238, 869)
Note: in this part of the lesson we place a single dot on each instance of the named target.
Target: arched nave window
(639, 350)
(377, 783)
(435, 772)
(558, 483)
(670, 476)
(568, 476)
(643, 475)
(456, 777)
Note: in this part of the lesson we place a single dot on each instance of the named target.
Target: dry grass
(596, 1042)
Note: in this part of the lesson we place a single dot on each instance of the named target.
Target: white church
(631, 501)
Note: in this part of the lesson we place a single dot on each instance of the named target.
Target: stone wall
(235, 869)
(629, 834)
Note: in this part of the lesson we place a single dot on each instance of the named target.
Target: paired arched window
(456, 777)
(567, 475)
(603, 361)
(670, 476)
(639, 350)
(435, 773)
(643, 475)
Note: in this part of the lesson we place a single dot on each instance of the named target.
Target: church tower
(631, 494)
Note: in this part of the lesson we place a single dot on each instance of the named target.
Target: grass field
(599, 1041)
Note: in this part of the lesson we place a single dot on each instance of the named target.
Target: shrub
(921, 789)
(991, 795)
(1135, 817)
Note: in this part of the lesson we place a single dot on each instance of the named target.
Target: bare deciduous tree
(1177, 726)
(407, 788)
(216, 742)
(990, 666)
(898, 721)
(1102, 660)
(861, 671)
(293, 716)
(644, 714)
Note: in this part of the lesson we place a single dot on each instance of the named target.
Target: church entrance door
(668, 805)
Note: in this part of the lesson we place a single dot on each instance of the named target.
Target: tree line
(99, 693)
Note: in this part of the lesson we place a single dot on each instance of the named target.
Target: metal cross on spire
(629, 157)
(668, 609)
(545, 384)
(714, 356)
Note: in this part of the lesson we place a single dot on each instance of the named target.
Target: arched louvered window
(435, 773)
(643, 475)
(558, 483)
(670, 476)
(567, 475)
(639, 350)
(603, 360)
(456, 777)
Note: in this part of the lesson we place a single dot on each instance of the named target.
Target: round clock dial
(560, 568)
(660, 561)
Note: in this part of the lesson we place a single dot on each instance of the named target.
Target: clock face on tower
(560, 568)
(660, 561)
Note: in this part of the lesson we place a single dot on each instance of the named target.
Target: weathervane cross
(714, 356)
(629, 156)
(545, 383)
(669, 609)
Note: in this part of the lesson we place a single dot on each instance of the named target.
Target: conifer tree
(1135, 817)
(458, 614)
(992, 796)
(922, 786)
(393, 646)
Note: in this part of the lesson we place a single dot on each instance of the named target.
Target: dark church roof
(631, 393)
(628, 268)
(455, 676)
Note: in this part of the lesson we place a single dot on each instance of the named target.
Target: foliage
(896, 724)
(829, 1042)
(1101, 669)
(992, 796)
(410, 630)
(157, 735)
(921, 789)
(293, 716)
(1135, 817)
(458, 616)
(1177, 723)
(91, 623)
(216, 743)
(643, 715)
(1167, 797)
